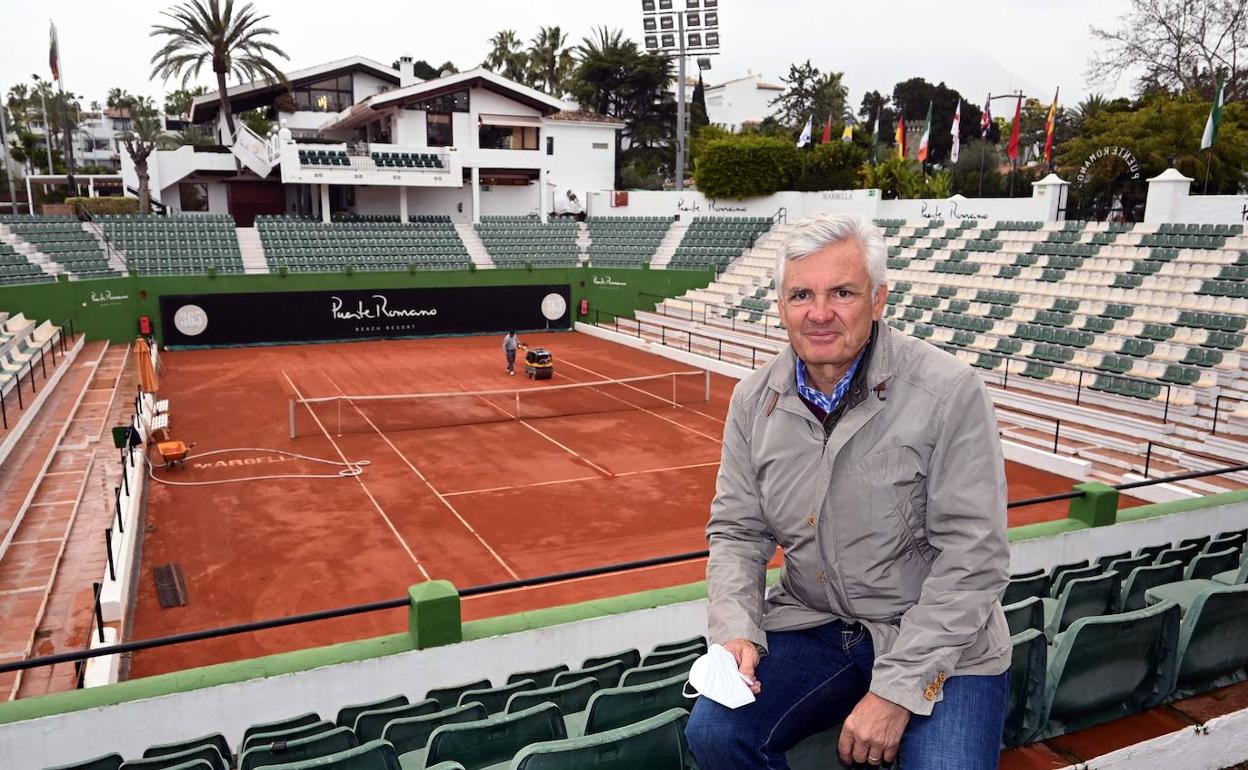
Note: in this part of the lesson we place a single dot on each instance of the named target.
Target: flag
(1215, 117)
(1049, 125)
(827, 131)
(54, 56)
(926, 138)
(985, 120)
(1012, 148)
(900, 135)
(804, 139)
(955, 133)
(875, 132)
(847, 133)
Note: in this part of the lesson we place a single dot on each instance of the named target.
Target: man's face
(827, 305)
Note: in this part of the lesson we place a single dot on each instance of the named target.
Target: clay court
(454, 489)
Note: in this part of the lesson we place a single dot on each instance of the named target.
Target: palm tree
(550, 61)
(506, 56)
(117, 98)
(144, 136)
(232, 41)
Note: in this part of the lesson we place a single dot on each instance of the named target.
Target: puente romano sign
(1113, 151)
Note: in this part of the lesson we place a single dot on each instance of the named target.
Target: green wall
(110, 308)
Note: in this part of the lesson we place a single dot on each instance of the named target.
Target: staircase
(583, 241)
(252, 250)
(116, 257)
(476, 249)
(27, 249)
(667, 246)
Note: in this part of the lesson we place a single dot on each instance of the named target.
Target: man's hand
(747, 658)
(872, 731)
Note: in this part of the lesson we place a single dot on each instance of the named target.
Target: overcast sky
(975, 46)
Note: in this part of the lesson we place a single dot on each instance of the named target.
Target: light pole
(47, 125)
(694, 30)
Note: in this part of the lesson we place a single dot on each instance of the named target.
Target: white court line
(359, 480)
(38, 541)
(564, 447)
(669, 468)
(432, 489)
(48, 505)
(571, 581)
(580, 478)
(634, 406)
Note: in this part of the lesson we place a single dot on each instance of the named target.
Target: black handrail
(109, 249)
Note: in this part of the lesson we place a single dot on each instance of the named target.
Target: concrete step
(476, 248)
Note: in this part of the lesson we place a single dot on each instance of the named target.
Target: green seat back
(1182, 554)
(667, 656)
(683, 643)
(370, 725)
(1061, 579)
(281, 724)
(607, 674)
(1211, 639)
(346, 717)
(1206, 565)
(285, 752)
(542, 677)
(105, 762)
(216, 739)
(412, 733)
(657, 743)
(630, 659)
(374, 755)
(1025, 586)
(1122, 567)
(1087, 596)
(1108, 666)
(495, 698)
(204, 752)
(647, 674)
(1143, 578)
(448, 697)
(1024, 615)
(1027, 675)
(619, 706)
(495, 739)
(289, 734)
(570, 698)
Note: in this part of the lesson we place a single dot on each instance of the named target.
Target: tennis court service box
(305, 316)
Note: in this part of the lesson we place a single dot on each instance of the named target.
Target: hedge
(106, 205)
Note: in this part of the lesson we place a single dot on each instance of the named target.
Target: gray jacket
(895, 520)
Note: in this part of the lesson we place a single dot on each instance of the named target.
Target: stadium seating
(514, 241)
(302, 245)
(656, 743)
(15, 268)
(716, 241)
(625, 241)
(407, 160)
(176, 245)
(62, 240)
(317, 157)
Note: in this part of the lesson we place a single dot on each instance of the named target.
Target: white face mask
(716, 676)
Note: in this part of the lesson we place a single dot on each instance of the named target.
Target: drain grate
(170, 586)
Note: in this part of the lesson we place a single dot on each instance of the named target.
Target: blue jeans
(812, 679)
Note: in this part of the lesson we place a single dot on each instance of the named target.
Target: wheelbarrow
(173, 452)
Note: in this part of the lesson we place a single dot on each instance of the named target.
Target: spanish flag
(1049, 126)
(900, 135)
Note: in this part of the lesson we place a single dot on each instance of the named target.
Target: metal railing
(480, 590)
(27, 369)
(711, 347)
(110, 250)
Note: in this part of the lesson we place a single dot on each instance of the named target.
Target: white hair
(823, 230)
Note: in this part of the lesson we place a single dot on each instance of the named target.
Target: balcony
(371, 164)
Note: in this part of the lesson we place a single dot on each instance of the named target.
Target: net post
(706, 395)
(291, 404)
(517, 405)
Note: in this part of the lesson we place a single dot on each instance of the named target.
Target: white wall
(435, 200)
(576, 164)
(366, 85)
(739, 102)
(985, 209)
(515, 200)
(691, 203)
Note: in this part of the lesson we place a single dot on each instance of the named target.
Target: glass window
(652, 42)
(695, 39)
(649, 23)
(550, 145)
(669, 41)
(647, 6)
(193, 196)
(693, 20)
(438, 131)
(509, 137)
(601, 146)
(456, 101)
(329, 95)
(667, 22)
(712, 19)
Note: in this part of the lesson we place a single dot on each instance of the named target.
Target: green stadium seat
(347, 715)
(1080, 598)
(658, 658)
(1138, 582)
(1181, 553)
(253, 739)
(104, 762)
(1058, 578)
(411, 734)
(607, 674)
(374, 755)
(646, 674)
(285, 752)
(371, 724)
(448, 697)
(656, 743)
(1211, 563)
(1211, 651)
(618, 706)
(1025, 614)
(495, 698)
(492, 741)
(1025, 585)
(1123, 565)
(1027, 680)
(541, 677)
(1109, 666)
(571, 698)
(205, 753)
(216, 740)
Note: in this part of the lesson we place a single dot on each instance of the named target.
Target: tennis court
(454, 487)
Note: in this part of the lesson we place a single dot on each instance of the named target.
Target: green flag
(1215, 118)
(875, 132)
(927, 135)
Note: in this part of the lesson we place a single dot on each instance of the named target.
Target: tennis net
(422, 411)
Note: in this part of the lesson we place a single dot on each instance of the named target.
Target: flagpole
(69, 134)
(982, 145)
(1208, 168)
(47, 130)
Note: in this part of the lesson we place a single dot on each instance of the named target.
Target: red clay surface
(472, 504)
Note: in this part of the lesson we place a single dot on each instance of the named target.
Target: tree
(912, 96)
(116, 98)
(140, 141)
(697, 108)
(231, 41)
(1180, 45)
(550, 61)
(257, 120)
(810, 95)
(877, 107)
(178, 103)
(507, 56)
(744, 166)
(894, 177)
(977, 173)
(831, 166)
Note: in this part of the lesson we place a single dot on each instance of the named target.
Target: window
(438, 131)
(601, 146)
(550, 145)
(122, 124)
(193, 196)
(695, 40)
(456, 101)
(649, 23)
(330, 95)
(509, 137)
(693, 19)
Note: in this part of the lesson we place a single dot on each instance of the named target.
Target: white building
(734, 103)
(465, 145)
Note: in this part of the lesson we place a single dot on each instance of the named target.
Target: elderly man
(872, 459)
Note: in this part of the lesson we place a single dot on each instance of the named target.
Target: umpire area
(453, 487)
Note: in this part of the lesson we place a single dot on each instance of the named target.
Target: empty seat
(1027, 680)
(619, 706)
(1069, 573)
(571, 698)
(644, 674)
(1151, 551)
(1233, 577)
(1122, 567)
(1025, 585)
(374, 755)
(215, 739)
(284, 752)
(656, 743)
(607, 674)
(1211, 649)
(205, 752)
(449, 696)
(1108, 666)
(281, 724)
(347, 715)
(1029, 613)
(630, 659)
(288, 734)
(681, 644)
(1105, 561)
(410, 734)
(1141, 579)
(1208, 564)
(542, 677)
(105, 762)
(495, 698)
(369, 725)
(1182, 554)
(1080, 598)
(496, 739)
(667, 656)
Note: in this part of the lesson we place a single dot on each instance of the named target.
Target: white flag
(954, 132)
(804, 139)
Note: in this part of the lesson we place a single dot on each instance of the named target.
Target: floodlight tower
(679, 33)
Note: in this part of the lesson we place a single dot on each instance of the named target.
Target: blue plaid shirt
(817, 398)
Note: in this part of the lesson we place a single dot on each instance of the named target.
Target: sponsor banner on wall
(239, 319)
